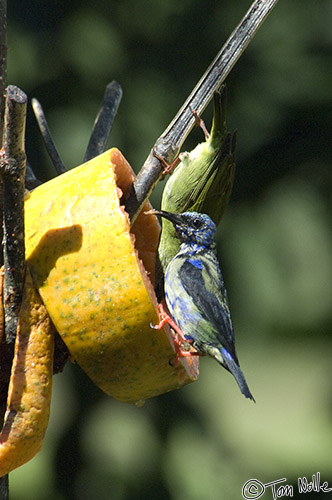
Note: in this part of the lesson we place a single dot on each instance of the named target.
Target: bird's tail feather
(237, 373)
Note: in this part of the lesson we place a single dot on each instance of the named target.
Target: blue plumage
(195, 292)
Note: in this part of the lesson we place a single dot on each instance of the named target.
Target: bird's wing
(205, 287)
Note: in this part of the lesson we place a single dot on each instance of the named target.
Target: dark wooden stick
(3, 85)
(169, 143)
(46, 134)
(4, 488)
(12, 168)
(104, 121)
(5, 370)
(3, 61)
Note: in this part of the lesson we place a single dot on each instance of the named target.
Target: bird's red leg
(200, 123)
(180, 352)
(165, 318)
(167, 167)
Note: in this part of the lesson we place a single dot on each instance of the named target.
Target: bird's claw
(179, 338)
(165, 318)
(168, 168)
(181, 353)
(200, 123)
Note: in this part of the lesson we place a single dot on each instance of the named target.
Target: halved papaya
(96, 279)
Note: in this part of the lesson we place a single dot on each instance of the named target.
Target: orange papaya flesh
(94, 277)
(30, 386)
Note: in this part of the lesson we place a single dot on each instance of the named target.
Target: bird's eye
(197, 223)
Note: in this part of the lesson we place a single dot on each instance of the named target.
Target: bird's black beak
(174, 218)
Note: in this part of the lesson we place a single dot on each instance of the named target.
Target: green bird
(201, 182)
(196, 296)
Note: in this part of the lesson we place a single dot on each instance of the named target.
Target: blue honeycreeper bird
(196, 295)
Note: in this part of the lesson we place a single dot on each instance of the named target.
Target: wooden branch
(46, 134)
(12, 168)
(169, 143)
(4, 488)
(3, 61)
(5, 370)
(104, 121)
(3, 85)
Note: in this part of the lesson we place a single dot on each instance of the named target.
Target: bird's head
(192, 227)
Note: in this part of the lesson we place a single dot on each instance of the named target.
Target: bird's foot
(165, 318)
(168, 168)
(200, 123)
(182, 351)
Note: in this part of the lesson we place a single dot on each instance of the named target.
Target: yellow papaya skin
(96, 282)
(30, 386)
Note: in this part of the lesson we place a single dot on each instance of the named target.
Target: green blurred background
(275, 243)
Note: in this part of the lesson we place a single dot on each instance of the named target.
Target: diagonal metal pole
(169, 143)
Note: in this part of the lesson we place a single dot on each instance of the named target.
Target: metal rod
(104, 120)
(46, 134)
